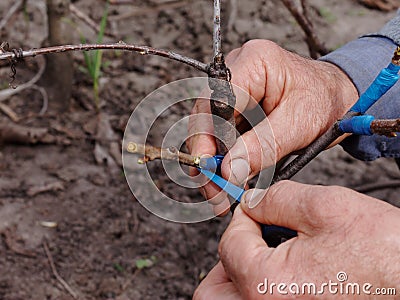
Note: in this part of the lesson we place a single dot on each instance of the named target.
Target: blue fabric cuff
(362, 60)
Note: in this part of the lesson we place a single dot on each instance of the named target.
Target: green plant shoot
(93, 59)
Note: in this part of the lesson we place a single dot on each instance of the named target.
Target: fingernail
(253, 197)
(240, 170)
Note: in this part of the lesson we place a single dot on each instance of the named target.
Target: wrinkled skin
(339, 230)
(301, 97)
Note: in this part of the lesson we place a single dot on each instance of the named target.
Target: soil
(73, 197)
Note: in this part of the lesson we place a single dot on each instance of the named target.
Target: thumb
(263, 146)
(254, 151)
(286, 203)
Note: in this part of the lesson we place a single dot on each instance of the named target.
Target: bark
(58, 75)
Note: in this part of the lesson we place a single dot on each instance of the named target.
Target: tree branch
(217, 44)
(151, 153)
(315, 46)
(144, 50)
(223, 99)
(386, 127)
(311, 151)
(16, 6)
(87, 20)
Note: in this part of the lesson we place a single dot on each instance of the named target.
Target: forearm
(362, 60)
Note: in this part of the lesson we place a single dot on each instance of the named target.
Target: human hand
(339, 230)
(301, 97)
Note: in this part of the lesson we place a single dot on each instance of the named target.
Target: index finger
(242, 249)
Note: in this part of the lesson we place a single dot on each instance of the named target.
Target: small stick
(17, 5)
(386, 127)
(314, 44)
(144, 50)
(87, 20)
(55, 273)
(217, 45)
(9, 112)
(137, 11)
(151, 153)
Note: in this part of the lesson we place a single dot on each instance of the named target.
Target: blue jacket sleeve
(362, 60)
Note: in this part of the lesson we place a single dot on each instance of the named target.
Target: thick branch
(144, 50)
(151, 153)
(311, 151)
(223, 99)
(17, 134)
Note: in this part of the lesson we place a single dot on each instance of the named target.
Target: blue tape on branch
(358, 125)
(382, 83)
(212, 163)
(234, 191)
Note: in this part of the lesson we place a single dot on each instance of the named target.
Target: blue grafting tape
(382, 83)
(212, 163)
(231, 189)
(358, 125)
(272, 234)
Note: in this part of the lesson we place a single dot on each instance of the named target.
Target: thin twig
(138, 11)
(386, 127)
(144, 50)
(55, 273)
(87, 20)
(223, 99)
(13, 9)
(315, 46)
(217, 45)
(151, 153)
(9, 112)
(12, 243)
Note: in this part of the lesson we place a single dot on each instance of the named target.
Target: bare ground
(82, 208)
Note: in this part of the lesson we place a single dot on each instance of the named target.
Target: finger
(222, 209)
(268, 142)
(242, 249)
(216, 285)
(201, 131)
(287, 204)
(253, 151)
(249, 70)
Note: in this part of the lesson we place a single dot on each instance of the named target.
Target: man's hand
(339, 230)
(301, 97)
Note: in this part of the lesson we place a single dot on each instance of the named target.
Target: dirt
(73, 196)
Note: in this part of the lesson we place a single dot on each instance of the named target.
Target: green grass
(93, 59)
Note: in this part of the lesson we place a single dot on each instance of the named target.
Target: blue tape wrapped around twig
(382, 83)
(358, 125)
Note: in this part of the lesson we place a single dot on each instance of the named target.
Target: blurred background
(70, 227)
